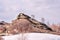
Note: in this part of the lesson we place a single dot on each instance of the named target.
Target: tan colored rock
(25, 24)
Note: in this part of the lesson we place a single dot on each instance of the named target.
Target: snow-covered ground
(32, 36)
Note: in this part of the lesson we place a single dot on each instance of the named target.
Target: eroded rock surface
(24, 24)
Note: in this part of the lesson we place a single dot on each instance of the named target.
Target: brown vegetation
(25, 24)
(55, 28)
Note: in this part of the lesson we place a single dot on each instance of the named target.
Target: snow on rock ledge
(32, 36)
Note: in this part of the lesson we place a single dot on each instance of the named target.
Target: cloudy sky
(48, 9)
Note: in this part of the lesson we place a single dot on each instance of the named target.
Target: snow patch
(32, 36)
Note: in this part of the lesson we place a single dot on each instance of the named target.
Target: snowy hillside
(32, 36)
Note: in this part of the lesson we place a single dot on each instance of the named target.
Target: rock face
(24, 24)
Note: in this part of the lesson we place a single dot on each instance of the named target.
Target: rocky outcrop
(25, 24)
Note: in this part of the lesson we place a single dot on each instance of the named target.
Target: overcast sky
(48, 9)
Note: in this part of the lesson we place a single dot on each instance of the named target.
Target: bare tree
(48, 23)
(33, 16)
(43, 20)
(23, 36)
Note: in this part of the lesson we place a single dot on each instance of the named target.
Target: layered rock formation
(24, 24)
